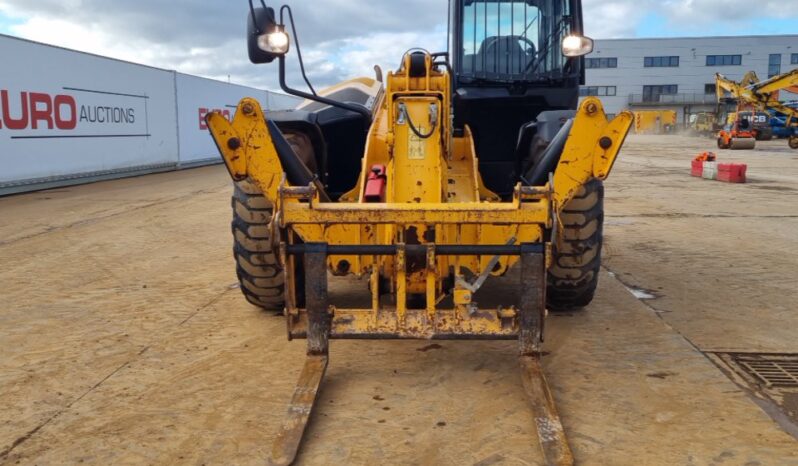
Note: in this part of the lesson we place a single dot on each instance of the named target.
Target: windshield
(513, 40)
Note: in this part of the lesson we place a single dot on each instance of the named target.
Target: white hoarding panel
(65, 113)
(196, 97)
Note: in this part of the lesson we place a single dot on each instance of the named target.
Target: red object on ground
(706, 156)
(732, 172)
(375, 184)
(697, 168)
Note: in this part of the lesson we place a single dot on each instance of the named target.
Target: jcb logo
(38, 110)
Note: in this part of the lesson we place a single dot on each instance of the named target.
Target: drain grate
(770, 378)
(772, 370)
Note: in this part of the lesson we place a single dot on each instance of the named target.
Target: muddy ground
(124, 340)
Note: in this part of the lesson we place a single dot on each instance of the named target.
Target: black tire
(573, 276)
(793, 142)
(259, 275)
(764, 135)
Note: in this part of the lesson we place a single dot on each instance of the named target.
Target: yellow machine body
(703, 123)
(434, 197)
(654, 121)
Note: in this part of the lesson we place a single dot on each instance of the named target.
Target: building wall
(69, 117)
(691, 75)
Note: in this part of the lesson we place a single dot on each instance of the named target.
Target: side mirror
(266, 40)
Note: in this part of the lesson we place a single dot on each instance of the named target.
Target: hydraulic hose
(414, 129)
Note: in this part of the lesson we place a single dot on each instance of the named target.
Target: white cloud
(340, 38)
(613, 18)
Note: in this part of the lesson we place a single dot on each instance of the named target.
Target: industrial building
(679, 73)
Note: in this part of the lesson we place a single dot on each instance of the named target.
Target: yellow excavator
(703, 123)
(425, 184)
(762, 96)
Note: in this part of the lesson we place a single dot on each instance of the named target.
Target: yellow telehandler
(454, 168)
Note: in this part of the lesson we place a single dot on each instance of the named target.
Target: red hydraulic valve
(375, 184)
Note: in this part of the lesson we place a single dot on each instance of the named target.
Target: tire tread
(260, 278)
(573, 277)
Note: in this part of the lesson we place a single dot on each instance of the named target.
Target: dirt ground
(124, 339)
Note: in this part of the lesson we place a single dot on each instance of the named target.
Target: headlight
(576, 46)
(274, 42)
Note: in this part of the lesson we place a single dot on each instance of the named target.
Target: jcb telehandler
(451, 170)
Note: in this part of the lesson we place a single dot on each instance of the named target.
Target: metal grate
(771, 370)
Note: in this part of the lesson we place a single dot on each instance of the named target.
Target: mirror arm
(317, 98)
(287, 8)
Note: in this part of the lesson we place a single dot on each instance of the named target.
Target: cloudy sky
(339, 38)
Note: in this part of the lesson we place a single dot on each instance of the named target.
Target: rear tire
(573, 276)
(259, 275)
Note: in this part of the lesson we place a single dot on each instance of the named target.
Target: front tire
(573, 276)
(259, 275)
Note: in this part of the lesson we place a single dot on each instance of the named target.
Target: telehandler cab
(451, 170)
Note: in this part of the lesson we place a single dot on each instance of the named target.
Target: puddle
(639, 293)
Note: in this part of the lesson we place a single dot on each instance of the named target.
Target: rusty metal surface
(551, 434)
(316, 298)
(421, 213)
(532, 305)
(286, 444)
(444, 324)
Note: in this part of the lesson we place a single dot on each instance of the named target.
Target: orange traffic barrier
(732, 172)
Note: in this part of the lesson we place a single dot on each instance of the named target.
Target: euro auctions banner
(73, 113)
(64, 113)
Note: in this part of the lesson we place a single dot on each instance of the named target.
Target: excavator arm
(762, 95)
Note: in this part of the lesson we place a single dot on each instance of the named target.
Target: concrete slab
(125, 341)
